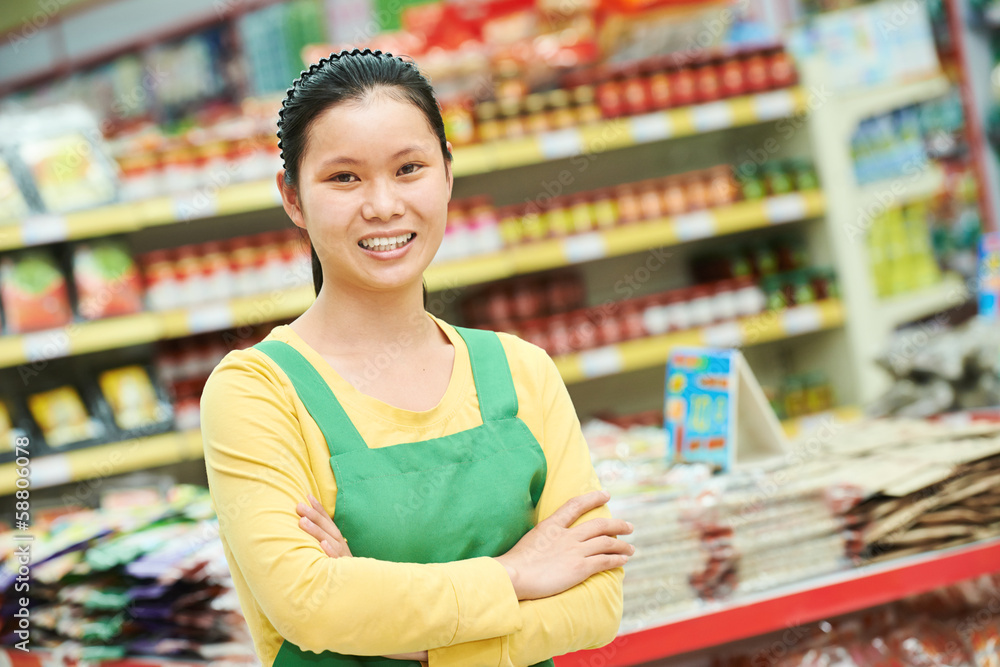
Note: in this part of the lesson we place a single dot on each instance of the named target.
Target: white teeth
(386, 243)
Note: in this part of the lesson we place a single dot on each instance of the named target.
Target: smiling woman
(441, 510)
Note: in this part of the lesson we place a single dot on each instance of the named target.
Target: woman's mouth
(386, 243)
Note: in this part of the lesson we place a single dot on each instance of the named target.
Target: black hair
(341, 77)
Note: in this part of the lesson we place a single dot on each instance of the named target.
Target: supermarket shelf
(793, 606)
(106, 460)
(625, 239)
(866, 102)
(630, 131)
(133, 216)
(115, 332)
(904, 308)
(800, 426)
(652, 351)
(902, 190)
(214, 201)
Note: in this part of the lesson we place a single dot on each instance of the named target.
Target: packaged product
(132, 397)
(10, 430)
(62, 417)
(13, 205)
(33, 292)
(63, 151)
(107, 280)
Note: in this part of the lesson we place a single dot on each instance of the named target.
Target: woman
(437, 468)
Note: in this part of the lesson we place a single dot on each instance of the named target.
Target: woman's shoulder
(246, 365)
(527, 361)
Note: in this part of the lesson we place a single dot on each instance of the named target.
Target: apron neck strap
(316, 395)
(491, 373)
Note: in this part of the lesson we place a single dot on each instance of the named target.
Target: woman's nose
(382, 202)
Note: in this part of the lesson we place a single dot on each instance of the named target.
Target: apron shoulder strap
(491, 373)
(316, 395)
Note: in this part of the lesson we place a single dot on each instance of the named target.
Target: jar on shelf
(610, 95)
(732, 78)
(636, 92)
(605, 209)
(707, 86)
(650, 201)
(675, 200)
(628, 205)
(585, 104)
(561, 113)
(750, 298)
(536, 119)
(678, 309)
(701, 305)
(488, 126)
(683, 87)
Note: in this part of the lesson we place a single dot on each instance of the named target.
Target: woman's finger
(602, 526)
(576, 507)
(322, 517)
(336, 548)
(607, 545)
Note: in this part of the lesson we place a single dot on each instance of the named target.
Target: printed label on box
(698, 411)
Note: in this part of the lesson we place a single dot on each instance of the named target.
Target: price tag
(194, 205)
(50, 344)
(50, 471)
(802, 319)
(602, 361)
(714, 116)
(697, 225)
(41, 229)
(561, 143)
(727, 334)
(650, 127)
(785, 208)
(213, 317)
(775, 104)
(584, 247)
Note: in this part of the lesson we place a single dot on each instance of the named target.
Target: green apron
(462, 496)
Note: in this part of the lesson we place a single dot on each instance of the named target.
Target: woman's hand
(552, 557)
(420, 657)
(318, 523)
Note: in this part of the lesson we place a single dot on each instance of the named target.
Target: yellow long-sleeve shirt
(264, 453)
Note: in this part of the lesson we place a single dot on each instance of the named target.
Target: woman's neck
(349, 322)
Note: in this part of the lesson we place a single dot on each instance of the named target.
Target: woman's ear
(290, 200)
(447, 168)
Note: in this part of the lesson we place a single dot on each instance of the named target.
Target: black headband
(315, 67)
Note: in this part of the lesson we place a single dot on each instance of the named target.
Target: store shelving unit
(106, 460)
(652, 351)
(795, 605)
(625, 239)
(716, 624)
(869, 320)
(164, 449)
(800, 426)
(900, 309)
(216, 201)
(127, 217)
(630, 131)
(148, 327)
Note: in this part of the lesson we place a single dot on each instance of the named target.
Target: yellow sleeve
(258, 469)
(586, 616)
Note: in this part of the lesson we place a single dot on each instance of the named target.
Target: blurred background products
(812, 183)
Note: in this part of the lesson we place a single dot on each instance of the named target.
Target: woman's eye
(343, 178)
(409, 168)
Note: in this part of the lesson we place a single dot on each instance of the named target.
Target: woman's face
(373, 193)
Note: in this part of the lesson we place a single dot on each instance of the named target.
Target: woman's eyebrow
(331, 162)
